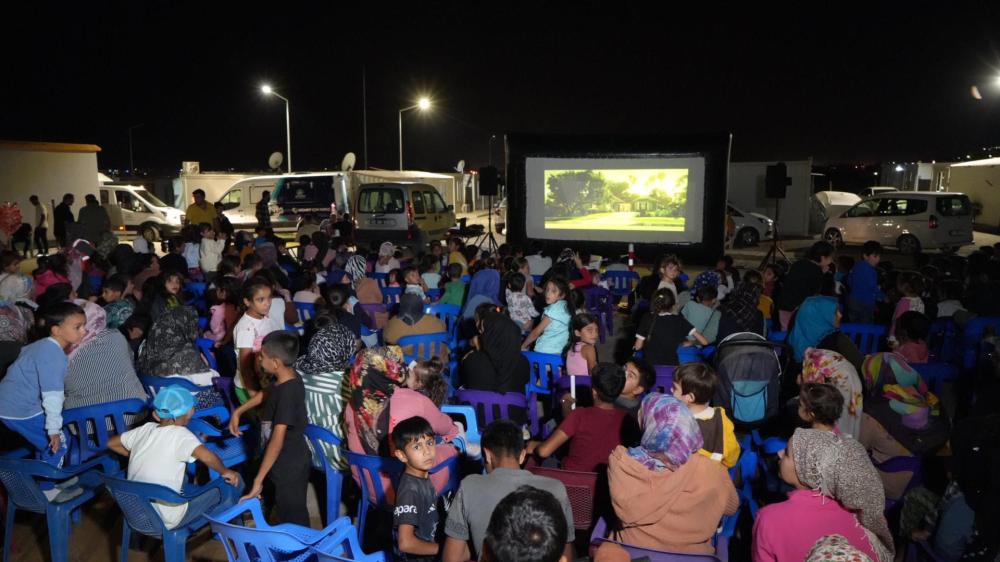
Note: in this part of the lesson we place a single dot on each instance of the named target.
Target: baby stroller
(749, 369)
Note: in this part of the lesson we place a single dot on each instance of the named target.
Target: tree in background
(574, 193)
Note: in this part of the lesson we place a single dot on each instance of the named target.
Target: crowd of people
(94, 316)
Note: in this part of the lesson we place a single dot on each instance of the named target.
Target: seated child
(158, 451)
(910, 284)
(415, 517)
(454, 289)
(552, 333)
(430, 270)
(701, 312)
(639, 378)
(581, 353)
(287, 460)
(592, 432)
(414, 283)
(820, 406)
(426, 378)
(31, 394)
(117, 307)
(393, 277)
(695, 384)
(519, 306)
(308, 289)
(912, 330)
(661, 331)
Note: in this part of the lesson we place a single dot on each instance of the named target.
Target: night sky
(860, 84)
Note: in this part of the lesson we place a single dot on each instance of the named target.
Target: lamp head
(266, 89)
(424, 104)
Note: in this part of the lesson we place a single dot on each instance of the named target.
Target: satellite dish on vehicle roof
(347, 164)
(275, 160)
(460, 167)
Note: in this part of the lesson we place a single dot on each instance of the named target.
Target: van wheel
(908, 244)
(153, 231)
(833, 236)
(748, 237)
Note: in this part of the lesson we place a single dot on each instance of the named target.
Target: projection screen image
(618, 199)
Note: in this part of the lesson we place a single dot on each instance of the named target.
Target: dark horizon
(876, 85)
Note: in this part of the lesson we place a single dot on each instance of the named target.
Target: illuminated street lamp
(423, 105)
(268, 91)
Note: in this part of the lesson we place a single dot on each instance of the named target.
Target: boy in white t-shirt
(158, 453)
(255, 323)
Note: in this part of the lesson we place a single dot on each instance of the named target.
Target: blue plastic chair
(367, 470)
(936, 374)
(466, 279)
(777, 337)
(942, 340)
(621, 283)
(496, 405)
(425, 346)
(205, 396)
(135, 500)
(231, 450)
(88, 428)
(544, 369)
(865, 336)
(207, 348)
(203, 322)
(434, 294)
(344, 546)
(471, 424)
(197, 292)
(598, 302)
(262, 542)
(391, 296)
(973, 333)
(664, 379)
(536, 279)
(21, 479)
(382, 279)
(449, 314)
(306, 310)
(317, 436)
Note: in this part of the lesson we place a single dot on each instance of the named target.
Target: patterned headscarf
(329, 350)
(670, 434)
(829, 367)
(356, 269)
(97, 322)
(835, 548)
(169, 349)
(813, 322)
(387, 249)
(704, 279)
(838, 467)
(741, 305)
(16, 287)
(890, 376)
(375, 376)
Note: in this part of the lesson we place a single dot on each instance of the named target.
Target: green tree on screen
(573, 193)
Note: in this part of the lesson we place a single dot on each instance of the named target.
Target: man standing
(94, 220)
(200, 211)
(41, 226)
(263, 213)
(64, 219)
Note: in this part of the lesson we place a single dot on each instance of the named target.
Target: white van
(296, 199)
(140, 210)
(909, 220)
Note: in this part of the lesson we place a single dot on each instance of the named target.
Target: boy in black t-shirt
(662, 331)
(286, 461)
(415, 517)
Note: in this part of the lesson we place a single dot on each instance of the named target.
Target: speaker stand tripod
(489, 239)
(772, 255)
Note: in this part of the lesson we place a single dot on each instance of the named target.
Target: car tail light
(409, 212)
(932, 222)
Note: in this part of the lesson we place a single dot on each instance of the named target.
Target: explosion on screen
(641, 199)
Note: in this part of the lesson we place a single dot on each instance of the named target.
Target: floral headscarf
(97, 322)
(838, 467)
(829, 367)
(889, 375)
(375, 376)
(329, 350)
(670, 434)
(835, 548)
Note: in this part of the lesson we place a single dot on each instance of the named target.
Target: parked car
(911, 221)
(876, 190)
(751, 228)
(409, 214)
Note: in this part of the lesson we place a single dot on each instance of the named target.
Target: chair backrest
(391, 295)
(381, 278)
(154, 384)
(580, 488)
(865, 336)
(17, 476)
(207, 346)
(134, 499)
(90, 427)
(343, 545)
(620, 283)
(367, 471)
(466, 279)
(306, 310)
(260, 542)
(469, 420)
(495, 405)
(664, 378)
(973, 334)
(597, 298)
(197, 292)
(377, 313)
(423, 347)
(447, 313)
(544, 369)
(942, 340)
(777, 337)
(935, 374)
(433, 293)
(638, 552)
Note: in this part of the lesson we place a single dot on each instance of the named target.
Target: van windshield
(150, 198)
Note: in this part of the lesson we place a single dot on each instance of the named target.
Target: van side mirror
(451, 208)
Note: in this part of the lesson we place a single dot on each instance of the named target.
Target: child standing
(287, 460)
(863, 284)
(31, 394)
(415, 517)
(694, 384)
(117, 307)
(552, 332)
(248, 334)
(210, 251)
(664, 330)
(454, 290)
(592, 432)
(519, 306)
(910, 285)
(158, 452)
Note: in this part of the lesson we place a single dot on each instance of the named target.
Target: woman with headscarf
(816, 323)
(17, 316)
(483, 288)
(667, 496)
(835, 548)
(829, 367)
(411, 321)
(386, 258)
(740, 311)
(322, 370)
(837, 490)
(100, 367)
(496, 364)
(356, 267)
(170, 351)
(901, 418)
(370, 308)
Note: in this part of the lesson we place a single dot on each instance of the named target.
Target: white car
(876, 190)
(751, 228)
(909, 220)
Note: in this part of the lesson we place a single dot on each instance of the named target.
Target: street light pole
(422, 105)
(288, 121)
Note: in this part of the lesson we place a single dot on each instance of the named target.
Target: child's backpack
(749, 369)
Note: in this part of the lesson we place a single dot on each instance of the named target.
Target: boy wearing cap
(158, 452)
